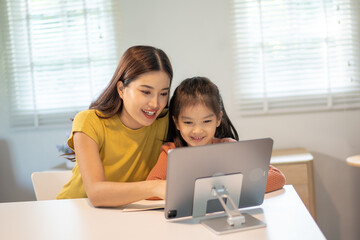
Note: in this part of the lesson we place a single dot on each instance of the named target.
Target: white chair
(48, 184)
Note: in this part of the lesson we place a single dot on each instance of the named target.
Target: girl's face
(197, 124)
(144, 99)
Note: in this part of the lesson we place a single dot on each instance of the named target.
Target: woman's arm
(102, 193)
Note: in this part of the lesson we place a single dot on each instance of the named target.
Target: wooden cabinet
(297, 166)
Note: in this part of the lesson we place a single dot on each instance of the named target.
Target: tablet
(242, 167)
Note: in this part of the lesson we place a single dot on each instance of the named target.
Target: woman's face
(144, 99)
(197, 124)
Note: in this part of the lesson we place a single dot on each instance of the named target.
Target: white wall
(195, 35)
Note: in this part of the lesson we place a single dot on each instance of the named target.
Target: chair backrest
(48, 184)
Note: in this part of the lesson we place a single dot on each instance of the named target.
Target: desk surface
(282, 210)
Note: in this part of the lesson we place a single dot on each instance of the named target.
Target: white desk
(285, 215)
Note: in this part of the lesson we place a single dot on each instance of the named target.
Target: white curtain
(58, 56)
(296, 55)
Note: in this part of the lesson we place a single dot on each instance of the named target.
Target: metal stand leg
(214, 187)
(234, 215)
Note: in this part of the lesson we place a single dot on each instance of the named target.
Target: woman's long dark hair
(135, 61)
(190, 92)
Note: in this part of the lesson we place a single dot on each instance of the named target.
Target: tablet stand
(223, 187)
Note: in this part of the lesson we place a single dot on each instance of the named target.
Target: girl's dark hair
(193, 91)
(135, 61)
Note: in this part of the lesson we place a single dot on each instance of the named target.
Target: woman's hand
(160, 188)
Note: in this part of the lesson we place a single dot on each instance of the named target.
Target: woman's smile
(151, 114)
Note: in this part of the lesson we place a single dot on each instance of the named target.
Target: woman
(117, 140)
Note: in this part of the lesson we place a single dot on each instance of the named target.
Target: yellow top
(127, 155)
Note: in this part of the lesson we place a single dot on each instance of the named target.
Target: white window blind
(59, 55)
(296, 55)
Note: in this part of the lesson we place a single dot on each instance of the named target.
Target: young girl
(117, 140)
(198, 118)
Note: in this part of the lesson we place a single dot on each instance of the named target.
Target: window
(59, 55)
(298, 55)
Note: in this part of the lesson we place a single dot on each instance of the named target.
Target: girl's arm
(102, 193)
(276, 179)
(159, 170)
